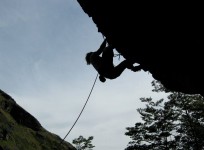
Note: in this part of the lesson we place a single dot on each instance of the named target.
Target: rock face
(165, 38)
(19, 130)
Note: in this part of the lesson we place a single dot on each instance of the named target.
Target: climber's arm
(101, 48)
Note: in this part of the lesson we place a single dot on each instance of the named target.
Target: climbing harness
(80, 112)
(117, 55)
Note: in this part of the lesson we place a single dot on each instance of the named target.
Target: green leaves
(175, 123)
(82, 143)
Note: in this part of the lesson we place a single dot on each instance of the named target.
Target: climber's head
(88, 58)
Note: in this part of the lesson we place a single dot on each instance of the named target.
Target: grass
(16, 136)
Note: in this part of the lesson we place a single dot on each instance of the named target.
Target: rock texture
(19, 130)
(165, 38)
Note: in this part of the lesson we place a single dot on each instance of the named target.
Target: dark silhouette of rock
(165, 38)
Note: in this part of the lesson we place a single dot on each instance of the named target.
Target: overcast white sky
(43, 44)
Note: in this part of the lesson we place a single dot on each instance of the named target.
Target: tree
(82, 143)
(176, 123)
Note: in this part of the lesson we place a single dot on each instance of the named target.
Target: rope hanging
(80, 112)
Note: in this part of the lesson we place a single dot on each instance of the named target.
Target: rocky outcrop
(19, 130)
(18, 113)
(165, 38)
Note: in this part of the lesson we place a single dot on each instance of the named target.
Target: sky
(43, 44)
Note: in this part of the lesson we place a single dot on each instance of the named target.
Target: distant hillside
(19, 130)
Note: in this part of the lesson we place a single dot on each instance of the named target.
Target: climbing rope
(80, 112)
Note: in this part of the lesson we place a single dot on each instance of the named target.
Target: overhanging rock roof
(165, 38)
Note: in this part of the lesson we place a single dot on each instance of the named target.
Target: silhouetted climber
(104, 65)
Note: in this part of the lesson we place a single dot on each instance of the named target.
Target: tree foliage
(82, 143)
(175, 123)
